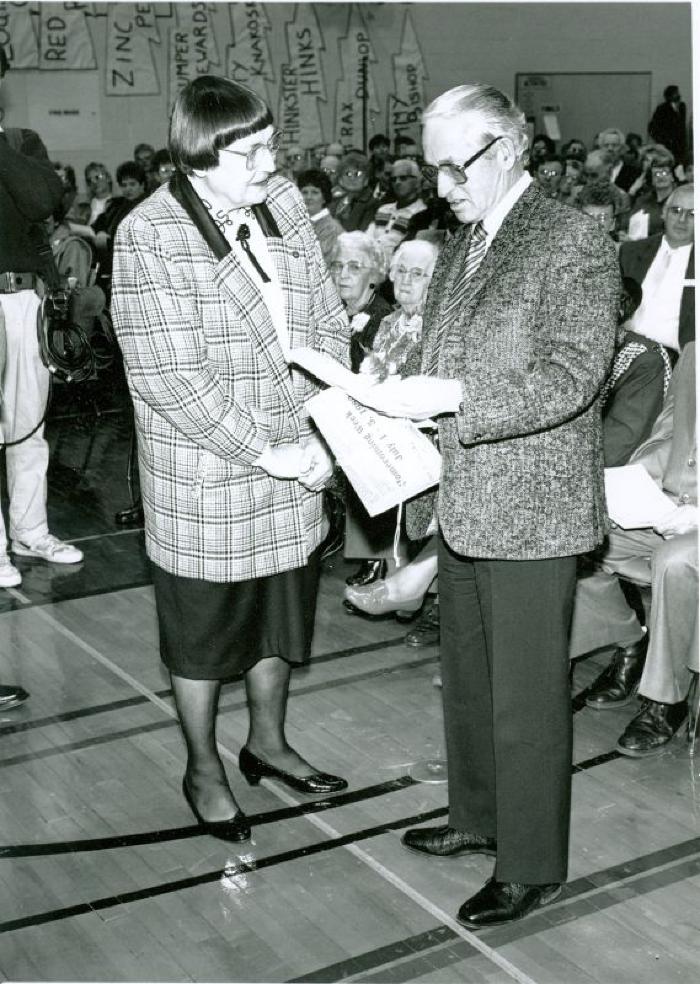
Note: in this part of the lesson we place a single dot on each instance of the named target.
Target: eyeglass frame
(338, 266)
(251, 153)
(431, 172)
(413, 274)
(681, 213)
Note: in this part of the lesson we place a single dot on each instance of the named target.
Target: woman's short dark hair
(210, 113)
(318, 180)
(130, 169)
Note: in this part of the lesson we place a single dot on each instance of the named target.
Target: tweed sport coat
(211, 387)
(522, 473)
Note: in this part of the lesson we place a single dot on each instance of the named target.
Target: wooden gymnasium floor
(104, 878)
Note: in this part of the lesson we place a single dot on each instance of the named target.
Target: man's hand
(281, 462)
(316, 464)
(418, 397)
(683, 520)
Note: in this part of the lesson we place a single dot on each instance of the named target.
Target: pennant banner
(182, 61)
(17, 35)
(248, 59)
(131, 30)
(407, 102)
(196, 18)
(303, 85)
(356, 88)
(65, 40)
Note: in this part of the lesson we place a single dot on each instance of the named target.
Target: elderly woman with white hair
(396, 348)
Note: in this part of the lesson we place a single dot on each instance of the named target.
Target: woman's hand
(284, 461)
(683, 520)
(316, 464)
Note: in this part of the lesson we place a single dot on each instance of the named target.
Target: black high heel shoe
(235, 829)
(254, 769)
(368, 572)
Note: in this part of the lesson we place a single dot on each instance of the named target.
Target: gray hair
(429, 250)
(360, 241)
(689, 186)
(596, 158)
(404, 165)
(612, 131)
(499, 114)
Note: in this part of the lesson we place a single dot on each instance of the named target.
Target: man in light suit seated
(665, 558)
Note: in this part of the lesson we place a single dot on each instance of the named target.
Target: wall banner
(196, 18)
(17, 35)
(131, 30)
(356, 56)
(65, 40)
(302, 83)
(407, 102)
(248, 58)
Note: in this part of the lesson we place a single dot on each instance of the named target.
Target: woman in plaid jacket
(216, 277)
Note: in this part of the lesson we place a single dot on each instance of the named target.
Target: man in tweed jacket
(520, 361)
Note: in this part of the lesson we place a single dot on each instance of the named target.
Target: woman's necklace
(223, 217)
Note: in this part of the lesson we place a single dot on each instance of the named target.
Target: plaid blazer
(211, 387)
(522, 472)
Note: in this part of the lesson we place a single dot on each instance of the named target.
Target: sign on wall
(356, 102)
(64, 37)
(68, 116)
(18, 35)
(406, 103)
(248, 59)
(302, 84)
(131, 30)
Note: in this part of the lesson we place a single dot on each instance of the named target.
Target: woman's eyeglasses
(352, 266)
(252, 156)
(414, 274)
(455, 172)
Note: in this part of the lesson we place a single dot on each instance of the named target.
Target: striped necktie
(473, 255)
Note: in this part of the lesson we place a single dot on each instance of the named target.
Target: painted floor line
(316, 821)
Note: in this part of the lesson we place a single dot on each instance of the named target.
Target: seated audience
(396, 344)
(596, 171)
(163, 167)
(612, 144)
(132, 182)
(358, 267)
(542, 146)
(598, 201)
(143, 155)
(71, 252)
(575, 149)
(316, 191)
(355, 206)
(646, 218)
(572, 181)
(548, 174)
(391, 220)
(294, 162)
(330, 166)
(662, 660)
(406, 148)
(665, 267)
(70, 186)
(316, 155)
(630, 153)
(649, 155)
(99, 185)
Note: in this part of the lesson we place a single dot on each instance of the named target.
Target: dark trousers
(504, 628)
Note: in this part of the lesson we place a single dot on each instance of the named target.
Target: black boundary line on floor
(20, 726)
(242, 866)
(177, 833)
(584, 896)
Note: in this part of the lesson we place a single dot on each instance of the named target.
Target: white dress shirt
(658, 315)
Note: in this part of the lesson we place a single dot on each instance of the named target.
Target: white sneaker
(10, 577)
(50, 548)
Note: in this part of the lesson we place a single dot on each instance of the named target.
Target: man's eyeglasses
(662, 171)
(549, 172)
(456, 172)
(252, 156)
(414, 274)
(350, 173)
(352, 266)
(681, 213)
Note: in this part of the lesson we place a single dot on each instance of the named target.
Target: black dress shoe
(133, 516)
(368, 572)
(254, 769)
(235, 829)
(11, 696)
(503, 902)
(446, 842)
(426, 631)
(617, 684)
(652, 728)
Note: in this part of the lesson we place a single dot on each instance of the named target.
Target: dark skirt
(213, 631)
